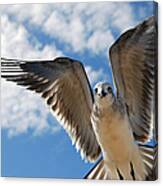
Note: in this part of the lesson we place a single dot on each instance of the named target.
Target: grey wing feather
(134, 64)
(64, 85)
(98, 172)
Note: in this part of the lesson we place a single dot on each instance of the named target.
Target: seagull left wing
(134, 63)
(64, 85)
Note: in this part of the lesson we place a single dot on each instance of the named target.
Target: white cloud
(71, 32)
(37, 15)
(100, 37)
(123, 18)
(15, 42)
(22, 110)
(88, 26)
(95, 75)
(77, 25)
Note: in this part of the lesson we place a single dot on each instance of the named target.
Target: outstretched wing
(134, 64)
(64, 85)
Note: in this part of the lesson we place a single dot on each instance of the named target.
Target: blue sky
(33, 143)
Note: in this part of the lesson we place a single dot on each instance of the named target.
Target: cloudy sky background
(33, 143)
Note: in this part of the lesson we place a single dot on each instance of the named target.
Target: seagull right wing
(64, 85)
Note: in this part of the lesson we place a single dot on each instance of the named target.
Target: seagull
(109, 128)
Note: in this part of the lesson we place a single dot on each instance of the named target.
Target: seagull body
(114, 135)
(116, 127)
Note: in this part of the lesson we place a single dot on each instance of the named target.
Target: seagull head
(104, 93)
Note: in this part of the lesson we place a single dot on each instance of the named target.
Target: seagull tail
(150, 159)
(97, 172)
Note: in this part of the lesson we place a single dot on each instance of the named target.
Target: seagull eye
(96, 90)
(109, 89)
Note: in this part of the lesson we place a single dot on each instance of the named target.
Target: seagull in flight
(110, 129)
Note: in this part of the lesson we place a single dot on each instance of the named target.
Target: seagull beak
(102, 94)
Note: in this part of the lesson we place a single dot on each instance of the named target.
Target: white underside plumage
(122, 156)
